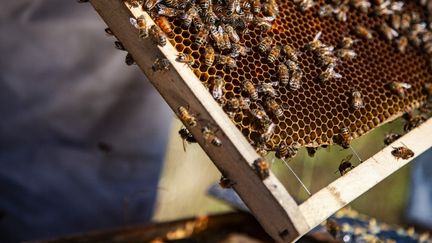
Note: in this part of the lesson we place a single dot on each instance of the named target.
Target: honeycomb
(314, 114)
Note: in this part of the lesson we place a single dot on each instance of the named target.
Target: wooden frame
(268, 200)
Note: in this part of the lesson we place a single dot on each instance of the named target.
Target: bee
(226, 45)
(267, 88)
(210, 137)
(217, 90)
(345, 165)
(391, 137)
(395, 21)
(260, 115)
(232, 34)
(186, 136)
(363, 32)
(362, 5)
(304, 5)
(188, 16)
(285, 152)
(158, 35)
(283, 74)
(295, 82)
(211, 17)
(150, 4)
(344, 138)
(412, 121)
(119, 46)
(238, 49)
(245, 4)
(290, 53)
(398, 88)
(332, 227)
(166, 11)
(402, 44)
(186, 117)
(132, 3)
(109, 32)
(141, 24)
(268, 131)
(256, 6)
(271, 9)
(201, 37)
(185, 58)
(165, 26)
(261, 168)
(274, 54)
(356, 100)
(129, 60)
(329, 74)
(265, 44)
(172, 3)
(216, 34)
(387, 32)
(402, 152)
(405, 22)
(346, 54)
(315, 44)
(234, 104)
(274, 107)
(264, 25)
(311, 151)
(326, 10)
(341, 13)
(249, 87)
(232, 6)
(225, 182)
(227, 61)
(160, 64)
(209, 56)
(204, 5)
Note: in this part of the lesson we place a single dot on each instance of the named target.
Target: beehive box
(312, 115)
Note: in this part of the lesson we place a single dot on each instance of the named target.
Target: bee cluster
(301, 72)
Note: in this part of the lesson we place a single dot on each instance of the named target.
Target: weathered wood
(271, 204)
(366, 175)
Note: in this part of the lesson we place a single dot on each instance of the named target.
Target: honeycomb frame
(274, 208)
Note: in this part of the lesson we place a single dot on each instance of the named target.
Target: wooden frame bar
(268, 200)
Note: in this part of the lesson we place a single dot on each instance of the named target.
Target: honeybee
(264, 25)
(160, 64)
(226, 44)
(332, 227)
(341, 12)
(141, 24)
(129, 60)
(391, 137)
(166, 11)
(204, 5)
(329, 74)
(267, 88)
(261, 168)
(225, 182)
(186, 136)
(157, 35)
(295, 82)
(285, 152)
(356, 100)
(326, 10)
(344, 138)
(232, 34)
(261, 150)
(304, 5)
(274, 107)
(238, 49)
(249, 87)
(210, 137)
(211, 17)
(150, 4)
(268, 131)
(311, 151)
(165, 25)
(402, 152)
(109, 32)
(412, 121)
(363, 32)
(398, 88)
(260, 115)
(201, 37)
(290, 52)
(185, 58)
(245, 4)
(209, 56)
(274, 54)
(283, 74)
(362, 5)
(216, 34)
(186, 117)
(402, 44)
(265, 44)
(227, 61)
(346, 54)
(119, 46)
(315, 44)
(395, 21)
(232, 6)
(387, 32)
(188, 16)
(132, 3)
(271, 9)
(405, 22)
(256, 6)
(217, 90)
(172, 3)
(345, 165)
(233, 105)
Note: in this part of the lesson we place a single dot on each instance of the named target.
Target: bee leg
(355, 153)
(295, 175)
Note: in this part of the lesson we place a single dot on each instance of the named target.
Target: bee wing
(317, 36)
(134, 22)
(405, 85)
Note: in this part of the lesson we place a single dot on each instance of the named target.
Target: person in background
(82, 135)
